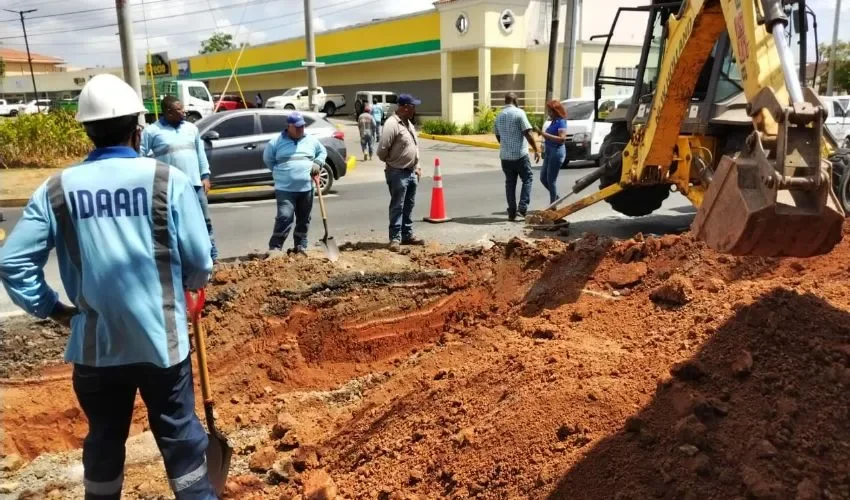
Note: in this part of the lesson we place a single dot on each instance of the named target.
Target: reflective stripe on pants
(106, 396)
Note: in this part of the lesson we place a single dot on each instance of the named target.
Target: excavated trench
(316, 336)
(589, 369)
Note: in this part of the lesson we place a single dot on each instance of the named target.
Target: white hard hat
(106, 96)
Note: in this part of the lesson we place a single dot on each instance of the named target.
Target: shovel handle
(321, 201)
(195, 306)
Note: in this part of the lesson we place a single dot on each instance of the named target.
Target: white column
(484, 74)
(446, 84)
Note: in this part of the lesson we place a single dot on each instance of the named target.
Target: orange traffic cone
(438, 200)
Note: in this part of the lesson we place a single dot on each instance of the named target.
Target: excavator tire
(841, 177)
(633, 201)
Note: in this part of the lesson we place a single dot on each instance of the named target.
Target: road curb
(13, 202)
(460, 140)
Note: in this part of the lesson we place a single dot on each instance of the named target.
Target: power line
(88, 28)
(88, 11)
(206, 30)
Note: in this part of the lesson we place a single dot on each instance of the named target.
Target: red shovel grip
(195, 305)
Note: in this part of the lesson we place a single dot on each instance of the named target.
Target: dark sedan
(235, 140)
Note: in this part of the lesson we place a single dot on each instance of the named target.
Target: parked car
(33, 107)
(235, 141)
(231, 102)
(9, 109)
(837, 120)
(388, 101)
(296, 98)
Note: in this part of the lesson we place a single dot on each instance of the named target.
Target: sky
(179, 26)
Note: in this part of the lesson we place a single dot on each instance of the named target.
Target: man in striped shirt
(513, 131)
(176, 142)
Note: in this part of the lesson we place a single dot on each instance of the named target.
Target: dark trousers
(402, 184)
(202, 198)
(514, 169)
(552, 162)
(293, 209)
(106, 396)
(366, 143)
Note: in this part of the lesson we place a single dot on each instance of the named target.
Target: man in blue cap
(399, 149)
(294, 159)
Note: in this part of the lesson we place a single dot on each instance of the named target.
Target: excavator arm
(771, 197)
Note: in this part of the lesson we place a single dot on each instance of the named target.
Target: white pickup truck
(296, 98)
(9, 109)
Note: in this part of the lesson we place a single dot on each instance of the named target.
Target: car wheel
(330, 109)
(326, 179)
(13, 113)
(193, 117)
(289, 107)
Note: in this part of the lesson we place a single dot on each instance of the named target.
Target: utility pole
(128, 49)
(310, 41)
(29, 56)
(553, 50)
(830, 79)
(570, 43)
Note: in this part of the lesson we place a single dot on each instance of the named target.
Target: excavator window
(729, 82)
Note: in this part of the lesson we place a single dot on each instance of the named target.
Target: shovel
(219, 451)
(328, 243)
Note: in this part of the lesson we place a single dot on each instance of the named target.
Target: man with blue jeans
(399, 149)
(129, 237)
(176, 142)
(513, 131)
(295, 159)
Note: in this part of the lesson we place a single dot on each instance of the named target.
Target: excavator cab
(749, 148)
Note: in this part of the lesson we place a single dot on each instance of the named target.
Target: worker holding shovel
(295, 159)
(130, 235)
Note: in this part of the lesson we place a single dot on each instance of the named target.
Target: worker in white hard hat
(129, 236)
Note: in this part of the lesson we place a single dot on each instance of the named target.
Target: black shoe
(413, 241)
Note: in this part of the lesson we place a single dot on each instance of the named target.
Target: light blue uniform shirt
(179, 147)
(291, 161)
(129, 236)
(510, 125)
(378, 115)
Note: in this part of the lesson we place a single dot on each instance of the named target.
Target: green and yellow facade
(484, 47)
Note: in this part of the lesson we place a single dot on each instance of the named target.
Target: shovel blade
(331, 249)
(219, 454)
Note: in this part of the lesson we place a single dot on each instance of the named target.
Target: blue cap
(296, 118)
(407, 99)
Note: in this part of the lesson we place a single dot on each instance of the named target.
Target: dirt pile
(647, 368)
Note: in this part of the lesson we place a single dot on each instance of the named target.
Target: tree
(842, 65)
(218, 42)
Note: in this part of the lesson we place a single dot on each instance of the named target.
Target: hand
(206, 183)
(536, 156)
(62, 314)
(314, 172)
(418, 173)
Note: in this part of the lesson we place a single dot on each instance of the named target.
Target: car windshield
(292, 92)
(579, 110)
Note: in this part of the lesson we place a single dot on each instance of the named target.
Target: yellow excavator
(719, 113)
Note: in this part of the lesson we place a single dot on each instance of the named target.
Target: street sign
(159, 65)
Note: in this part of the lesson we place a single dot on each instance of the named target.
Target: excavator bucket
(741, 214)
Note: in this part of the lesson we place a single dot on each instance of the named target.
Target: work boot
(395, 246)
(365, 156)
(370, 159)
(413, 241)
(299, 252)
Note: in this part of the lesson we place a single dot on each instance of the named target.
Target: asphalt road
(357, 208)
